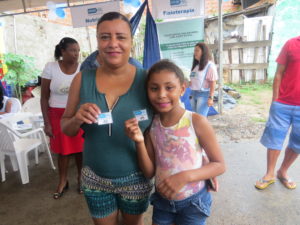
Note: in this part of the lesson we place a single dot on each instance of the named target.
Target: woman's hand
(133, 130)
(88, 113)
(170, 186)
(48, 130)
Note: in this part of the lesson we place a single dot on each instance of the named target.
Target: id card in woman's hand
(105, 118)
(141, 115)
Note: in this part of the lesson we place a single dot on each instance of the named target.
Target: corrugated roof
(262, 2)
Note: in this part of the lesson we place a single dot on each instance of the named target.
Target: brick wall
(212, 7)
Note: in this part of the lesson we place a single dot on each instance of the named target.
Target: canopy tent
(9, 7)
(151, 53)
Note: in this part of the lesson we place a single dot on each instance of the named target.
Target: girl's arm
(73, 118)
(208, 141)
(216, 166)
(143, 145)
(45, 95)
(212, 85)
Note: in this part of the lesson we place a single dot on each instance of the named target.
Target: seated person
(5, 103)
(93, 61)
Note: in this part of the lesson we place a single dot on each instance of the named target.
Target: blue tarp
(135, 20)
(151, 45)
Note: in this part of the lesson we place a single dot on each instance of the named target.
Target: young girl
(203, 79)
(172, 151)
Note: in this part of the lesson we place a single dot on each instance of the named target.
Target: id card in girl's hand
(105, 118)
(141, 115)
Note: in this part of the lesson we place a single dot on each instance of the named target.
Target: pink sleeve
(212, 73)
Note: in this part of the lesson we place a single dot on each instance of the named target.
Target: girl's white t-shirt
(198, 81)
(60, 84)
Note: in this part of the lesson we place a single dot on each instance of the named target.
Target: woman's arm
(73, 118)
(45, 95)
(143, 145)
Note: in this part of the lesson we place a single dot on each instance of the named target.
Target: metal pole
(220, 91)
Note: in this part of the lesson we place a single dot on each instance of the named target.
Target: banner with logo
(170, 9)
(177, 40)
(87, 15)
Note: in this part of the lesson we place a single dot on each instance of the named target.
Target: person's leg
(133, 198)
(292, 150)
(289, 158)
(128, 219)
(63, 163)
(273, 139)
(272, 157)
(78, 160)
(111, 219)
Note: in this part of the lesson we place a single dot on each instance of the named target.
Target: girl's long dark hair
(205, 57)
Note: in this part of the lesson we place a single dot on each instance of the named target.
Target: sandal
(58, 195)
(262, 184)
(287, 182)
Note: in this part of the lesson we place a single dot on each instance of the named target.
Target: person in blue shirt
(92, 62)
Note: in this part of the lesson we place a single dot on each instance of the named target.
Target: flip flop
(262, 184)
(287, 182)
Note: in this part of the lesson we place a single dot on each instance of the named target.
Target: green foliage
(21, 70)
(251, 88)
(258, 119)
(253, 91)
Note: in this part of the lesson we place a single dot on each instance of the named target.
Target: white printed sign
(170, 9)
(87, 15)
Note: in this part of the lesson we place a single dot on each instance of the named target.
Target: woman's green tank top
(107, 149)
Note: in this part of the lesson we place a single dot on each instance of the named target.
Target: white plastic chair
(17, 145)
(15, 105)
(32, 105)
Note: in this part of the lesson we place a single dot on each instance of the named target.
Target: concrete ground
(237, 202)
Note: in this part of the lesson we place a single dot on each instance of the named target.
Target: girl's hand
(88, 113)
(133, 130)
(216, 184)
(210, 102)
(170, 186)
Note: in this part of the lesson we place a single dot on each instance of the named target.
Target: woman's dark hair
(63, 44)
(114, 16)
(165, 65)
(205, 56)
(1, 97)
